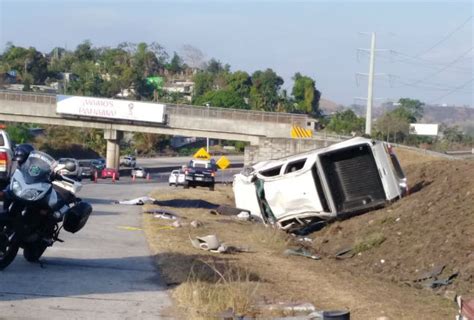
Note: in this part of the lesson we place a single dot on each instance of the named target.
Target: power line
(452, 91)
(428, 63)
(445, 67)
(445, 38)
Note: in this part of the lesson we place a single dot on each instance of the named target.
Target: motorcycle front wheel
(33, 251)
(8, 248)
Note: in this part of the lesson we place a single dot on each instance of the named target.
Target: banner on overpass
(110, 109)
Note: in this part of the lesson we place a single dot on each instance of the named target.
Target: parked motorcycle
(39, 203)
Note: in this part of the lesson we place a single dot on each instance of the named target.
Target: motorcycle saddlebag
(76, 217)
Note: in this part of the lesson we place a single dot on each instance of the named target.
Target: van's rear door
(391, 177)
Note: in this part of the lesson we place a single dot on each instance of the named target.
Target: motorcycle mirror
(70, 166)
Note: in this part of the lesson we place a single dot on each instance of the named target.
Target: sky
(425, 48)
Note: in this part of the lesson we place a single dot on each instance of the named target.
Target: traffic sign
(223, 162)
(202, 154)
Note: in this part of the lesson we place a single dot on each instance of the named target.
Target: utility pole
(207, 139)
(370, 90)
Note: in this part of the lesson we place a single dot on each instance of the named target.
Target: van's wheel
(33, 251)
(8, 249)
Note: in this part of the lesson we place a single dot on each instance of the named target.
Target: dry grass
(368, 242)
(234, 289)
(205, 284)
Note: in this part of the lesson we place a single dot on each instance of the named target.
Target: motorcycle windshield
(38, 167)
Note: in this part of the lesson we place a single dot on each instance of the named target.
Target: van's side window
(295, 166)
(272, 172)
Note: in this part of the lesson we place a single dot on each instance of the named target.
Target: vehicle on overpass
(343, 179)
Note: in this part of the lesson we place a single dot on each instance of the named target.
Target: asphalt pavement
(105, 271)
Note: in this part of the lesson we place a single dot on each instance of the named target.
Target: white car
(176, 178)
(139, 172)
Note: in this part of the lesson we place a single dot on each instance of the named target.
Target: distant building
(185, 87)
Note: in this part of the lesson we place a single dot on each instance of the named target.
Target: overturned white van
(343, 179)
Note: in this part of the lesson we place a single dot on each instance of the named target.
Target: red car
(109, 173)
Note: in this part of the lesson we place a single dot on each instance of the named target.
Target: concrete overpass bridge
(262, 129)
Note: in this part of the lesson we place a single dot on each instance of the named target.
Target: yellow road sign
(223, 162)
(202, 154)
(299, 132)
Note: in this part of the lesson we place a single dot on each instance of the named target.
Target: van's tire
(33, 251)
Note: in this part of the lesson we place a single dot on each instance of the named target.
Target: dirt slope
(432, 227)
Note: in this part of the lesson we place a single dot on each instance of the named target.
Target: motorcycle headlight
(16, 188)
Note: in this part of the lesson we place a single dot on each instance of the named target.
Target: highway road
(105, 271)
(157, 162)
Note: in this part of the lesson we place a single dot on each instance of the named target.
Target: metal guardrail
(185, 110)
(425, 151)
(27, 97)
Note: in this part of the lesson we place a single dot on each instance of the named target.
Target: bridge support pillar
(274, 148)
(113, 148)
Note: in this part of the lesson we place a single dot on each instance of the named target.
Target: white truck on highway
(343, 179)
(6, 158)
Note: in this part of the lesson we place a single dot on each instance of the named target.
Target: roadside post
(113, 177)
(133, 178)
(95, 176)
(148, 176)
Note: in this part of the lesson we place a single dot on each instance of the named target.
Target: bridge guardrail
(27, 97)
(236, 114)
(197, 111)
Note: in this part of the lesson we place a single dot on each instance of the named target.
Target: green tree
(346, 122)
(25, 62)
(264, 91)
(19, 133)
(393, 126)
(306, 95)
(176, 64)
(203, 82)
(223, 99)
(239, 82)
(410, 109)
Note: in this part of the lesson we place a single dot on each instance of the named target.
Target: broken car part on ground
(346, 178)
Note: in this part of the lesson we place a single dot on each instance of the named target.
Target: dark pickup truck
(200, 173)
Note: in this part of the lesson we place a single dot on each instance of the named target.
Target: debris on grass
(196, 224)
(137, 201)
(301, 252)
